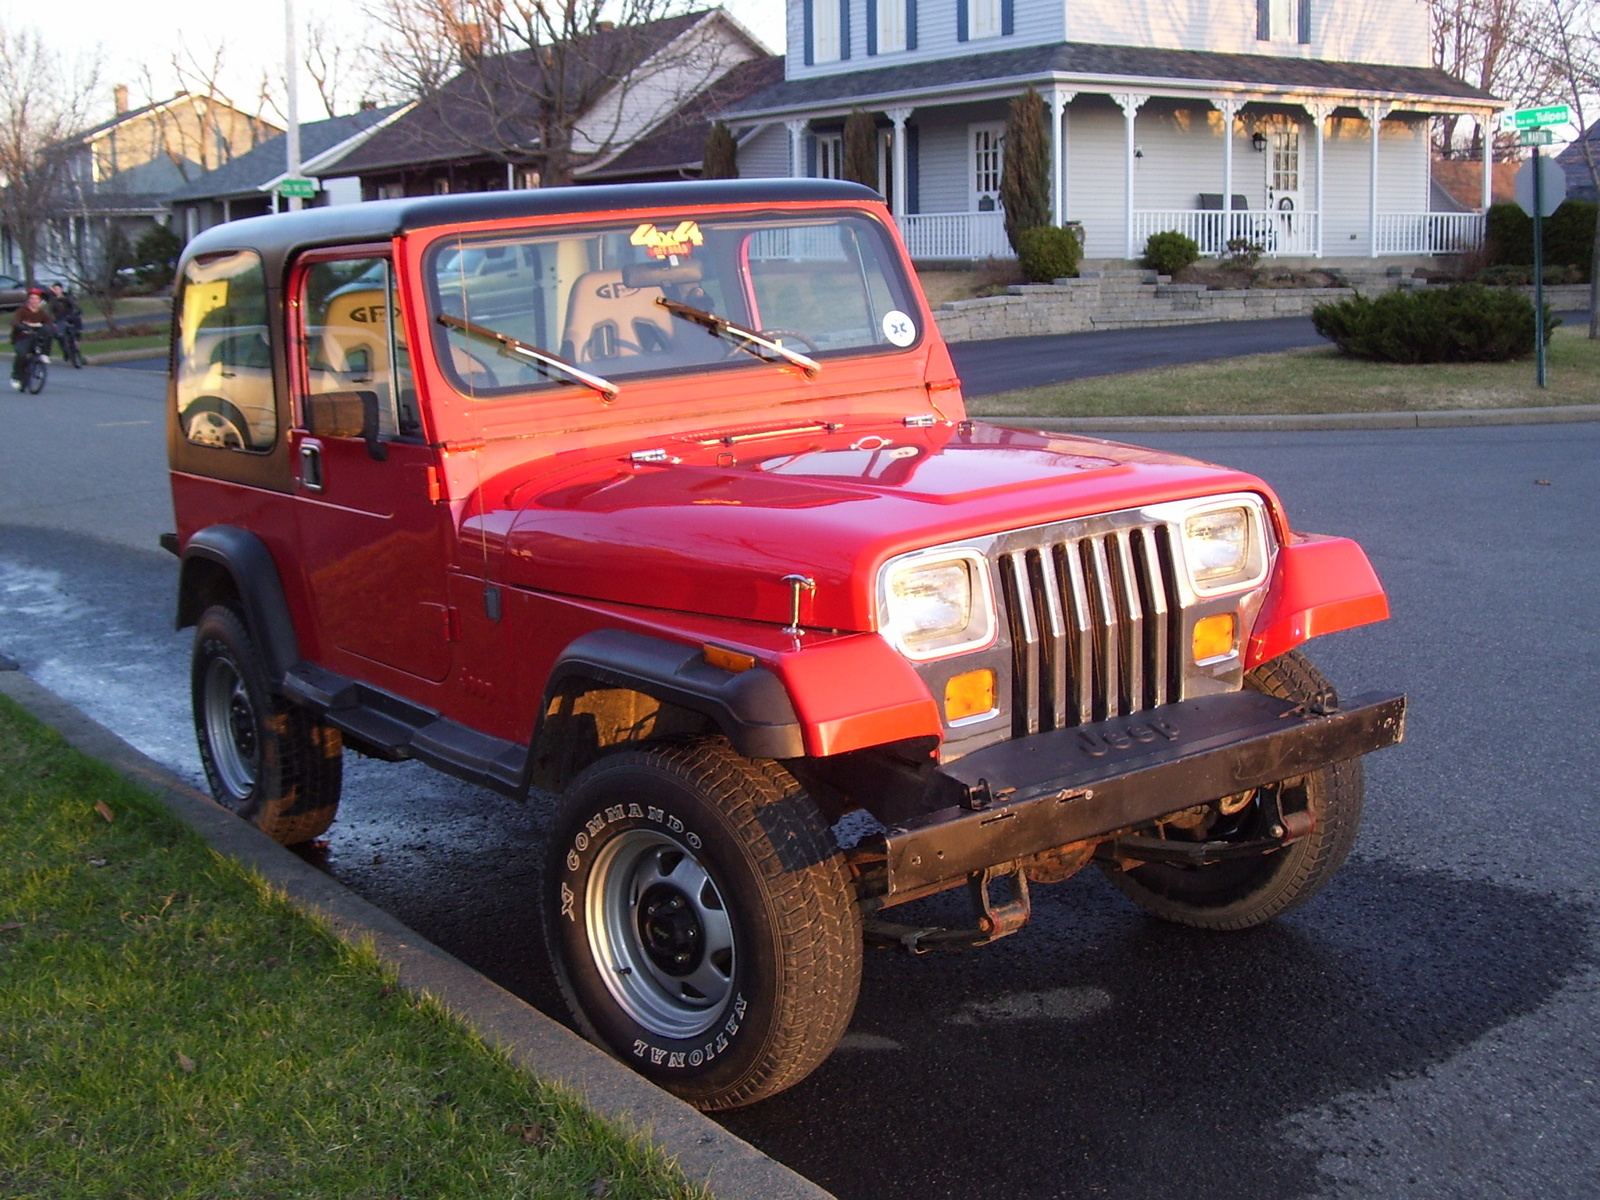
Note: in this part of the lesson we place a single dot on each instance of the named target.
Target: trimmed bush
(1048, 253)
(1568, 236)
(1464, 323)
(1170, 252)
(1025, 167)
(1509, 276)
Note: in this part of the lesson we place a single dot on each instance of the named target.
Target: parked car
(12, 293)
(659, 505)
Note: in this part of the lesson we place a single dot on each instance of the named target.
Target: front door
(372, 536)
(1284, 194)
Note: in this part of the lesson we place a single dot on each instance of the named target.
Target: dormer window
(1283, 21)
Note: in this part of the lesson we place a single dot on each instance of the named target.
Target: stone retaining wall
(1128, 299)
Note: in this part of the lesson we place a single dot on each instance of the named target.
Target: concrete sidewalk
(706, 1153)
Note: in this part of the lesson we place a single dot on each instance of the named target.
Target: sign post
(1541, 187)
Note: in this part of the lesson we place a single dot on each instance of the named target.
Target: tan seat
(607, 319)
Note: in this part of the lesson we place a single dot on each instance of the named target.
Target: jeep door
(372, 537)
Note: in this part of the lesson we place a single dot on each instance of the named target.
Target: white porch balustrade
(957, 235)
(1278, 234)
(1429, 233)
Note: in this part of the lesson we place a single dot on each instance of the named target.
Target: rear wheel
(1240, 893)
(267, 761)
(702, 921)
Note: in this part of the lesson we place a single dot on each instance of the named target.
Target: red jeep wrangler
(662, 499)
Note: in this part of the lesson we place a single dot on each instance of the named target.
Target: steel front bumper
(1052, 789)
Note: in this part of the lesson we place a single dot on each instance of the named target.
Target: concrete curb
(1447, 419)
(112, 357)
(705, 1152)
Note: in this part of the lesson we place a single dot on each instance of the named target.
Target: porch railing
(1278, 233)
(970, 235)
(1429, 233)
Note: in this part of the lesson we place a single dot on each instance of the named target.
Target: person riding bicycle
(69, 321)
(31, 322)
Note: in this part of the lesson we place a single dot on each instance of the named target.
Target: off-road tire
(1248, 892)
(267, 761)
(781, 895)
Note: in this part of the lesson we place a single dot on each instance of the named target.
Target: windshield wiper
(542, 359)
(747, 340)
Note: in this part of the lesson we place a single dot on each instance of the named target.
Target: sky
(128, 37)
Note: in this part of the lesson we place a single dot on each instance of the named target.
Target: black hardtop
(278, 237)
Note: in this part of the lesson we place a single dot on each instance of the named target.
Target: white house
(1300, 125)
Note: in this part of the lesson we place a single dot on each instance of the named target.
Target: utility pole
(291, 75)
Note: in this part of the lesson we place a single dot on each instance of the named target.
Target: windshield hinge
(921, 421)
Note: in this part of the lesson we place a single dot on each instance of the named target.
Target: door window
(987, 150)
(224, 369)
(353, 341)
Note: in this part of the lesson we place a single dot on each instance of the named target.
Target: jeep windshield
(610, 298)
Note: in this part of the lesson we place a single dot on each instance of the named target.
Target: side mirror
(347, 414)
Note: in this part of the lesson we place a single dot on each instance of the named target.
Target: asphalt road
(1424, 1028)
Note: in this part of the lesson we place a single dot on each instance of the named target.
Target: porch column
(1320, 112)
(797, 147)
(1486, 124)
(1130, 103)
(1230, 109)
(1058, 155)
(1375, 113)
(902, 185)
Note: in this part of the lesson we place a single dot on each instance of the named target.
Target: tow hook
(992, 921)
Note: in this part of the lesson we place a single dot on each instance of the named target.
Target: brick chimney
(120, 94)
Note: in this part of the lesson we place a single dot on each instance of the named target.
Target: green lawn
(154, 342)
(169, 1027)
(1318, 380)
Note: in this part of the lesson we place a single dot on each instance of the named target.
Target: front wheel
(701, 920)
(267, 761)
(1240, 893)
(35, 374)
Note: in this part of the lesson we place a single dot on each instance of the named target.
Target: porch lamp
(1258, 141)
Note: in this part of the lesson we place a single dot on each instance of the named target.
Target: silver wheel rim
(231, 728)
(660, 934)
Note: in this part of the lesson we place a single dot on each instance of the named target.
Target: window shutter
(961, 20)
(1008, 16)
(811, 156)
(872, 26)
(911, 23)
(1305, 22)
(844, 29)
(913, 199)
(1264, 20)
(811, 56)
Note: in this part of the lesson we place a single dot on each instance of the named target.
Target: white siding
(1402, 179)
(944, 154)
(1037, 23)
(1095, 174)
(766, 154)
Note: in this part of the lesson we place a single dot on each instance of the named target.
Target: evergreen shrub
(1568, 236)
(1464, 323)
(1048, 252)
(1170, 252)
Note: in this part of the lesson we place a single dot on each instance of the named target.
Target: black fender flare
(751, 707)
(246, 559)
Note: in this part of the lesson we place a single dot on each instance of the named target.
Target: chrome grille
(1096, 623)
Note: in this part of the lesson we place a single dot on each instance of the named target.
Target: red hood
(716, 530)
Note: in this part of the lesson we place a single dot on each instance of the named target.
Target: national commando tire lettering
(1246, 892)
(701, 920)
(267, 761)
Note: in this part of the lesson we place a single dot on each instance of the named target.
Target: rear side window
(225, 394)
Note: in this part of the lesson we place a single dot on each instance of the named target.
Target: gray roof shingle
(246, 174)
(1137, 62)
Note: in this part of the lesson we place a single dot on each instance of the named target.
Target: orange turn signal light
(1215, 637)
(969, 695)
(728, 660)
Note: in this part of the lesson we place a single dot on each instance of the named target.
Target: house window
(891, 25)
(825, 41)
(830, 156)
(987, 154)
(984, 18)
(1283, 21)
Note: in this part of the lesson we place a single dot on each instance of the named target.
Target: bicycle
(71, 350)
(36, 368)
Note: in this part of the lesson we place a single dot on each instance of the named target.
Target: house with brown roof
(1301, 126)
(655, 89)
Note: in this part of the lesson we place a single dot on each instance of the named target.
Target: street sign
(1535, 118)
(1536, 137)
(293, 185)
(1552, 185)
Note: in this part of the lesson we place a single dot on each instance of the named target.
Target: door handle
(311, 466)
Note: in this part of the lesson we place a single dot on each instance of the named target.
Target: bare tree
(557, 83)
(1484, 42)
(334, 69)
(42, 100)
(204, 125)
